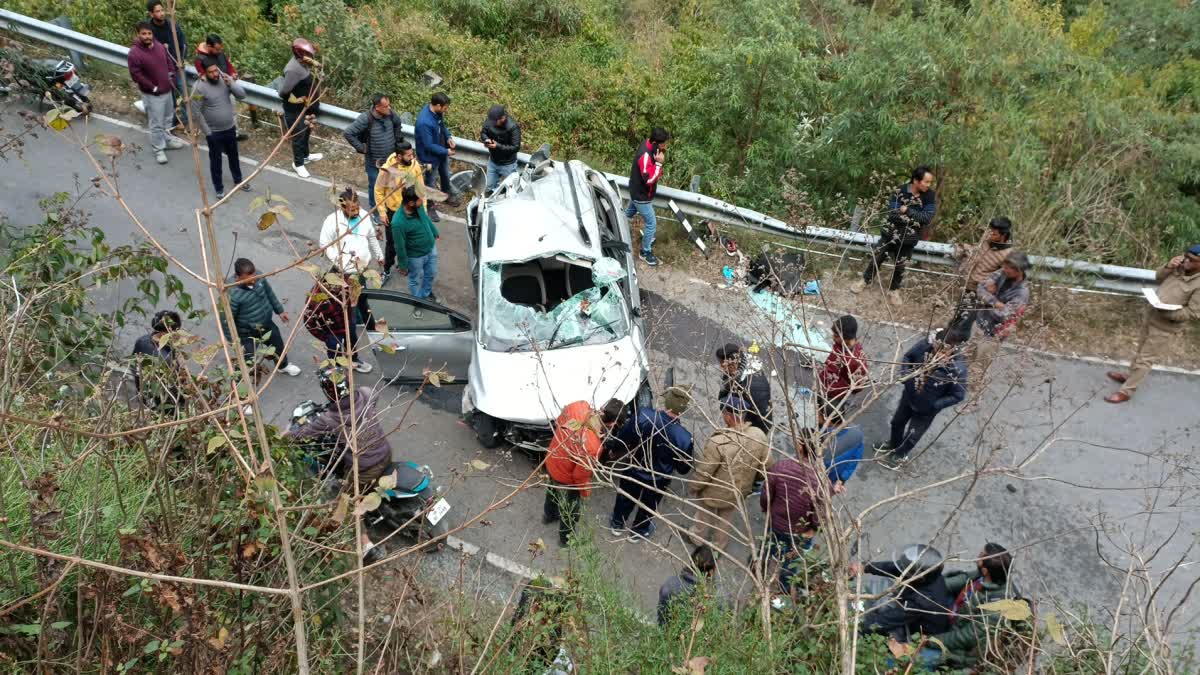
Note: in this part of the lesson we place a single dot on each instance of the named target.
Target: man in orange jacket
(574, 450)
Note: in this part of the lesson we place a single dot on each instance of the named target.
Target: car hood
(532, 387)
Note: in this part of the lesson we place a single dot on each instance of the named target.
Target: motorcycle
(414, 506)
(55, 81)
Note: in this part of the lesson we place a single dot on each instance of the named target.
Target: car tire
(644, 397)
(487, 430)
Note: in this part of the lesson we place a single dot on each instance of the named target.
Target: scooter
(55, 80)
(414, 506)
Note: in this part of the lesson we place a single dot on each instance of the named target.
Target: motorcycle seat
(410, 480)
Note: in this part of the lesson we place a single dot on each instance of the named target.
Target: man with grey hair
(1003, 298)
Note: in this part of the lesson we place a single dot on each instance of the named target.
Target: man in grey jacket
(210, 97)
(375, 134)
(1003, 298)
(253, 304)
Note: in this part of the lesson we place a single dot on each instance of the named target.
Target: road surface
(1113, 477)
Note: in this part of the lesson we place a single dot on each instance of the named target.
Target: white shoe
(160, 156)
(363, 367)
(301, 171)
(141, 107)
(314, 157)
(175, 144)
(292, 369)
(858, 286)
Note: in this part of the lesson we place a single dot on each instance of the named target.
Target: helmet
(917, 559)
(334, 383)
(303, 48)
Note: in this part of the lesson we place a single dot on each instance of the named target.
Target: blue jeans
(337, 345)
(440, 170)
(646, 210)
(422, 272)
(498, 172)
(372, 175)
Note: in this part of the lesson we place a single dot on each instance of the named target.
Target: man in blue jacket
(659, 447)
(935, 378)
(435, 146)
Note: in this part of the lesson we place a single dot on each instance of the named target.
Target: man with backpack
(375, 135)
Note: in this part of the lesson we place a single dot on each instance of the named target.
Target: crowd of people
(641, 452)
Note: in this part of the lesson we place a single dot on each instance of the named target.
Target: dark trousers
(439, 171)
(339, 345)
(223, 143)
(372, 176)
(389, 244)
(908, 426)
(176, 91)
(630, 493)
(300, 133)
(250, 343)
(563, 505)
(892, 244)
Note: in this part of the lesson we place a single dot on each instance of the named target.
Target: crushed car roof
(540, 220)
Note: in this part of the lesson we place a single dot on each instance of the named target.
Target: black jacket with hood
(751, 385)
(507, 137)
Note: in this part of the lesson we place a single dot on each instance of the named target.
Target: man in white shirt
(350, 242)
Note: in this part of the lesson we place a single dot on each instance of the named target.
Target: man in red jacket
(845, 371)
(151, 68)
(574, 450)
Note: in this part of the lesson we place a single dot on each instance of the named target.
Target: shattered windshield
(551, 303)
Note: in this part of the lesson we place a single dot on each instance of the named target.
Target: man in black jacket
(375, 134)
(743, 377)
(168, 32)
(917, 602)
(910, 211)
(643, 182)
(502, 136)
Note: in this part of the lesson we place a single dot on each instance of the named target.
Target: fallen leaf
(266, 220)
(479, 465)
(249, 549)
(1013, 610)
(1055, 629)
(537, 547)
(214, 443)
(108, 145)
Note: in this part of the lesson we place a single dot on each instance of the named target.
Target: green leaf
(214, 443)
(369, 503)
(1013, 610)
(60, 624)
(311, 531)
(151, 646)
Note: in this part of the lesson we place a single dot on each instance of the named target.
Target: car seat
(523, 285)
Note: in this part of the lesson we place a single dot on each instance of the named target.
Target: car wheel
(645, 396)
(487, 430)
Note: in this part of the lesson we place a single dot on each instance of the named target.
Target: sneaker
(433, 298)
(884, 448)
(434, 215)
(291, 369)
(383, 278)
(617, 529)
(301, 171)
(453, 201)
(644, 535)
(141, 107)
(175, 144)
(242, 136)
(417, 313)
(649, 258)
(894, 462)
(894, 299)
(220, 194)
(245, 187)
(160, 156)
(363, 367)
(858, 287)
(314, 157)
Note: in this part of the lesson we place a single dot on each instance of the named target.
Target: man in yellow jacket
(725, 471)
(399, 171)
(1178, 284)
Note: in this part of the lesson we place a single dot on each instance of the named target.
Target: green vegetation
(1077, 119)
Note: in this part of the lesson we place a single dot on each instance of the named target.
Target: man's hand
(898, 649)
(855, 568)
(284, 316)
(402, 271)
(490, 144)
(660, 157)
(1175, 262)
(904, 209)
(450, 151)
(839, 487)
(450, 143)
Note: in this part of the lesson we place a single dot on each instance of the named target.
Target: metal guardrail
(1107, 277)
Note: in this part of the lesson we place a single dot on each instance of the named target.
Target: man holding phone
(643, 182)
(217, 120)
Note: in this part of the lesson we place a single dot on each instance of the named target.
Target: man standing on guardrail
(910, 210)
(643, 182)
(435, 146)
(1178, 302)
(163, 32)
(151, 68)
(502, 136)
(300, 106)
(375, 134)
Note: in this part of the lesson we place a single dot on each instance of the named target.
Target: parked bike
(55, 82)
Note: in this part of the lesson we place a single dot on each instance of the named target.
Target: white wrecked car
(559, 316)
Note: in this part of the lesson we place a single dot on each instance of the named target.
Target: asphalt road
(1112, 479)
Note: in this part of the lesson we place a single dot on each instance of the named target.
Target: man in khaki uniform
(725, 471)
(1178, 284)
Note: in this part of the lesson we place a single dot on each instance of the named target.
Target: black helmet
(917, 559)
(334, 383)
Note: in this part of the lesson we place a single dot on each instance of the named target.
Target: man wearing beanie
(659, 447)
(1178, 285)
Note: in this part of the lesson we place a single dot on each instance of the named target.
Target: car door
(421, 335)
